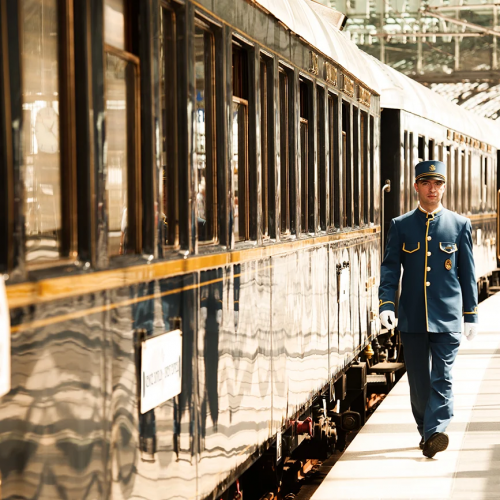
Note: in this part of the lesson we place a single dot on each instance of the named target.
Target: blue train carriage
(417, 125)
(208, 167)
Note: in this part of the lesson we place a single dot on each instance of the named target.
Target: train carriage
(204, 166)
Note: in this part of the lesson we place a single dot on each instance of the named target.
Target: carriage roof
(317, 25)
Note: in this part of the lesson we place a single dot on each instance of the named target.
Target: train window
(321, 184)
(421, 148)
(346, 166)
(431, 149)
(405, 194)
(267, 147)
(458, 184)
(306, 180)
(449, 179)
(484, 185)
(475, 181)
(48, 226)
(169, 233)
(358, 202)
(410, 173)
(334, 165)
(374, 195)
(463, 176)
(123, 140)
(239, 161)
(491, 184)
(286, 153)
(264, 120)
(206, 197)
(364, 167)
(469, 182)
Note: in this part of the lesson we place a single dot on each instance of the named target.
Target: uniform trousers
(429, 359)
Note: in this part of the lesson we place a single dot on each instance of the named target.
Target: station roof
(482, 98)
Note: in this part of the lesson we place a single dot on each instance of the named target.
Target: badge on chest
(448, 265)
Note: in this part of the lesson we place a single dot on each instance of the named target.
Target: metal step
(376, 379)
(386, 367)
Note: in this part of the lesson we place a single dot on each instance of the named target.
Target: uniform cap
(430, 169)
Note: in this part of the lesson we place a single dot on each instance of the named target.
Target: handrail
(387, 187)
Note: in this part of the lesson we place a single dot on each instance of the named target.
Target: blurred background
(449, 46)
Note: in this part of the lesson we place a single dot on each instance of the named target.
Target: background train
(214, 167)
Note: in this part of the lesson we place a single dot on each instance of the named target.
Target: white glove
(388, 319)
(470, 330)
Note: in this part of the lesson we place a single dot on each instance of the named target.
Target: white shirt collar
(430, 213)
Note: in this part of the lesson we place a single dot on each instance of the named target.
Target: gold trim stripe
(430, 174)
(429, 219)
(59, 288)
(386, 302)
(109, 307)
(411, 251)
(473, 312)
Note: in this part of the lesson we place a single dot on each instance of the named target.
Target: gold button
(428, 283)
(428, 269)
(429, 254)
(429, 238)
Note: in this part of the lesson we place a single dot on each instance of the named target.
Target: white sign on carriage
(161, 369)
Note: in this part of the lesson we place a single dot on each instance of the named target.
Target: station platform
(384, 462)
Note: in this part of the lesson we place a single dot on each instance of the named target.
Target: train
(205, 187)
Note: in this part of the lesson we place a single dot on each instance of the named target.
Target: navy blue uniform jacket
(439, 283)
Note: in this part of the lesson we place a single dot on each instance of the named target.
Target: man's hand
(470, 330)
(388, 319)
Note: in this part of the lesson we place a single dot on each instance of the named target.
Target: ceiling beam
(484, 6)
(422, 35)
(459, 22)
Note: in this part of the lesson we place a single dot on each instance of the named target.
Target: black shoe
(436, 443)
(421, 444)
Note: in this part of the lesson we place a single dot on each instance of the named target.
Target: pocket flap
(448, 247)
(411, 247)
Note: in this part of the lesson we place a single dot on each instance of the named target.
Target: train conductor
(434, 247)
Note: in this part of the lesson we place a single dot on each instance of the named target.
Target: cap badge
(432, 168)
(448, 265)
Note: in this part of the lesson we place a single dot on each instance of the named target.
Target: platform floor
(384, 461)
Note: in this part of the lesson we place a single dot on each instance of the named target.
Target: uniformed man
(434, 247)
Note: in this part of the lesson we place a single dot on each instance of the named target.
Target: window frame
(322, 194)
(169, 131)
(307, 162)
(134, 196)
(247, 101)
(268, 228)
(287, 182)
(334, 161)
(457, 188)
(374, 195)
(213, 198)
(68, 252)
(364, 166)
(356, 170)
(346, 166)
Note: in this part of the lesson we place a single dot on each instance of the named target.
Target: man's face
(430, 191)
